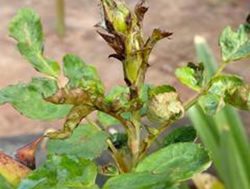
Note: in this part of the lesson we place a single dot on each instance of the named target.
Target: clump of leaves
(73, 149)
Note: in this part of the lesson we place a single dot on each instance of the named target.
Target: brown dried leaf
(140, 10)
(26, 154)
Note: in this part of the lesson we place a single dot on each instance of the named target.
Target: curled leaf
(164, 104)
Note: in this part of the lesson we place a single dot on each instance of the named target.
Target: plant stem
(192, 101)
(60, 17)
(119, 161)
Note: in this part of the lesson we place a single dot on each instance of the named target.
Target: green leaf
(86, 142)
(64, 172)
(211, 103)
(163, 169)
(26, 28)
(221, 89)
(106, 120)
(82, 75)
(164, 104)
(191, 75)
(234, 45)
(143, 180)
(4, 184)
(28, 99)
(181, 134)
(220, 84)
(118, 98)
(179, 161)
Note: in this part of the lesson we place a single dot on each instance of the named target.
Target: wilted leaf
(191, 76)
(28, 99)
(164, 104)
(234, 45)
(26, 28)
(86, 142)
(179, 161)
(82, 75)
(156, 36)
(11, 170)
(239, 97)
(140, 10)
(64, 172)
(26, 154)
(181, 134)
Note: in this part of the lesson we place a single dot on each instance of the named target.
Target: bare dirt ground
(184, 18)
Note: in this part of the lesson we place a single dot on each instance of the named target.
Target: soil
(184, 18)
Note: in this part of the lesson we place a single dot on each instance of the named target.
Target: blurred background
(184, 18)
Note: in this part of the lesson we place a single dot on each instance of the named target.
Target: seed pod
(164, 105)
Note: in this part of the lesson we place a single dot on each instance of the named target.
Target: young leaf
(234, 45)
(191, 76)
(82, 75)
(181, 134)
(62, 172)
(106, 120)
(179, 161)
(28, 99)
(86, 142)
(164, 104)
(26, 28)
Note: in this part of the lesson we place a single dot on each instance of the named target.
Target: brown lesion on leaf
(72, 96)
(73, 119)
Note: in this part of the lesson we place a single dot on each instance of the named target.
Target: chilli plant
(142, 112)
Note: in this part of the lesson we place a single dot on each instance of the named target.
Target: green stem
(117, 157)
